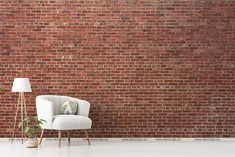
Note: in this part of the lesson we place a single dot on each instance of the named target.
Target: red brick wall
(149, 68)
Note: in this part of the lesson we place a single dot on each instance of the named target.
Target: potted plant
(31, 126)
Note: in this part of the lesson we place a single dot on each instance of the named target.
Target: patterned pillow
(69, 107)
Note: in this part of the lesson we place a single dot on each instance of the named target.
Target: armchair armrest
(45, 111)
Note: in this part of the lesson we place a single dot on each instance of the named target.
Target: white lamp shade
(21, 85)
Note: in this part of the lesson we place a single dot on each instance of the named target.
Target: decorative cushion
(69, 107)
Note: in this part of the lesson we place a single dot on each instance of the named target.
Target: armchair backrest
(57, 101)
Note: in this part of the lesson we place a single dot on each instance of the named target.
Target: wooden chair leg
(87, 137)
(59, 134)
(40, 140)
(68, 137)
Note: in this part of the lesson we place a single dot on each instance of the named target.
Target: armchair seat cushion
(71, 122)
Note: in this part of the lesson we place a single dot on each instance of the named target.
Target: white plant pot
(32, 143)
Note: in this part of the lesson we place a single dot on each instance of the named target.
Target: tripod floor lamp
(20, 85)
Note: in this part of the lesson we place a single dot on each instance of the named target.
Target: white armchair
(48, 108)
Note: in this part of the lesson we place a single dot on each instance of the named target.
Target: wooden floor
(120, 149)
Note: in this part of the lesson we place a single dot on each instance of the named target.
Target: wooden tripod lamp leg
(21, 110)
(25, 111)
(16, 115)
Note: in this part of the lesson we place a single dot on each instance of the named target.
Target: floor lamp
(20, 85)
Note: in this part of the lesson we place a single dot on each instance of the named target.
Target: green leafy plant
(31, 126)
